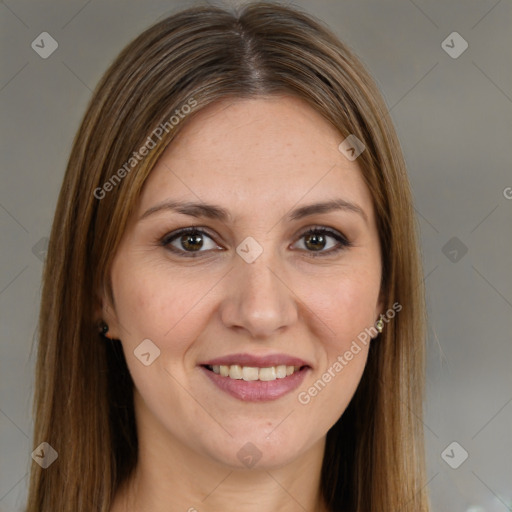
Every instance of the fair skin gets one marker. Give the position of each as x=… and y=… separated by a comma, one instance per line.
x=259, y=159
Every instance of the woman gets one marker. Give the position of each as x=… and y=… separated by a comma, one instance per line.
x=232, y=313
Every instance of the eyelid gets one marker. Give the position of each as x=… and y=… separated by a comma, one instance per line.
x=183, y=231
x=335, y=233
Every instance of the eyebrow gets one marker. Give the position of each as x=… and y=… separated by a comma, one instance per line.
x=215, y=212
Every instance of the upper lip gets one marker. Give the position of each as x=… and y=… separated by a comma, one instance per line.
x=256, y=361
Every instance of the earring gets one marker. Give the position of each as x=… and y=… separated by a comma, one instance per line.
x=380, y=324
x=103, y=327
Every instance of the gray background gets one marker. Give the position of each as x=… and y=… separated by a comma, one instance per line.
x=453, y=117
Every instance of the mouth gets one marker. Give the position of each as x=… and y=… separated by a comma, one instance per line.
x=253, y=373
x=256, y=379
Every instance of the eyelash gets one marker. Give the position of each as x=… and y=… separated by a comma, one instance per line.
x=343, y=242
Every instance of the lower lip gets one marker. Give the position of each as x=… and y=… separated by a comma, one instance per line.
x=257, y=390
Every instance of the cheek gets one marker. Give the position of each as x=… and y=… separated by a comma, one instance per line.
x=150, y=305
x=171, y=309
x=345, y=305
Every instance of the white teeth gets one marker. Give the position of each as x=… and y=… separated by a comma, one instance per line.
x=281, y=371
x=251, y=373
x=268, y=373
x=235, y=372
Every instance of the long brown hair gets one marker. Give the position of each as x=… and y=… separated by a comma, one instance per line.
x=83, y=397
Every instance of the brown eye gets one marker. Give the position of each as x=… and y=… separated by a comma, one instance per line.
x=189, y=242
x=315, y=241
x=318, y=239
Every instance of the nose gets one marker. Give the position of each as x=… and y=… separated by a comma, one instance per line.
x=258, y=299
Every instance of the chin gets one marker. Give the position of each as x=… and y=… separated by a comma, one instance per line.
x=251, y=449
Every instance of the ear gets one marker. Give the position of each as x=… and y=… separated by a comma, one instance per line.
x=379, y=308
x=104, y=311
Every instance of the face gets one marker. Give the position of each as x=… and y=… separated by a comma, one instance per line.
x=263, y=285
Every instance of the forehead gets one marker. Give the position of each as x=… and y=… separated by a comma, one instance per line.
x=254, y=152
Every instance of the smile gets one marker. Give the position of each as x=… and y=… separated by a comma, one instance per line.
x=253, y=373
x=256, y=378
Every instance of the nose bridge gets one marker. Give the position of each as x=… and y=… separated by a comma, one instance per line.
x=257, y=300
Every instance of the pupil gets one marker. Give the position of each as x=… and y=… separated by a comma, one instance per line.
x=315, y=239
x=193, y=242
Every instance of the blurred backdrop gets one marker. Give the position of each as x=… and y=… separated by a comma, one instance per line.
x=445, y=71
